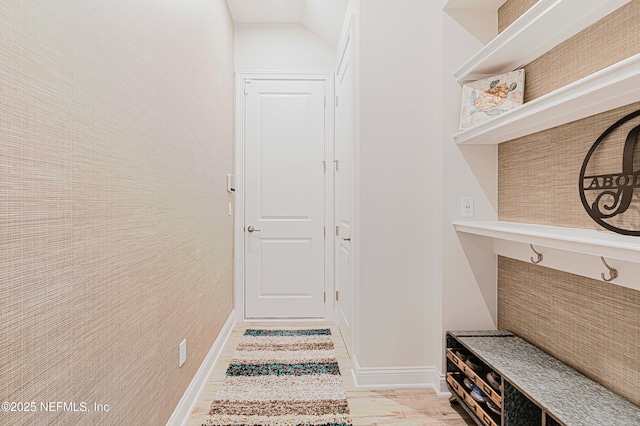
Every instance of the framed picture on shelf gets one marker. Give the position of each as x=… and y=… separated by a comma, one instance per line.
x=487, y=98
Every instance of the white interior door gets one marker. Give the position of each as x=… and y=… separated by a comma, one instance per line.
x=344, y=194
x=285, y=130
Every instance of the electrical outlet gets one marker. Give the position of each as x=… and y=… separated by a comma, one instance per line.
x=183, y=352
x=467, y=206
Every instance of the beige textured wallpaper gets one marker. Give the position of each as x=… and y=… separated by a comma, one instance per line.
x=512, y=10
x=538, y=174
x=604, y=43
x=589, y=324
x=610, y=40
x=116, y=135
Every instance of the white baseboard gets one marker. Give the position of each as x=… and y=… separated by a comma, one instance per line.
x=396, y=377
x=443, y=390
x=190, y=398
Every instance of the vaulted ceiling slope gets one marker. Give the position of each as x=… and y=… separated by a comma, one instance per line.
x=479, y=17
x=322, y=17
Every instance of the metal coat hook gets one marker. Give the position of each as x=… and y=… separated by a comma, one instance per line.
x=538, y=254
x=613, y=273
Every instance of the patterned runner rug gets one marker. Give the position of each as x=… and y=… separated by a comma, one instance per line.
x=282, y=377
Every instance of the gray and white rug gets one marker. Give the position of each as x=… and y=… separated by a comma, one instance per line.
x=279, y=377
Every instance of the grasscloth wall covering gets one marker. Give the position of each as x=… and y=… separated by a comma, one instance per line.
x=116, y=134
x=604, y=43
x=538, y=174
x=589, y=324
x=512, y=10
x=576, y=319
x=612, y=39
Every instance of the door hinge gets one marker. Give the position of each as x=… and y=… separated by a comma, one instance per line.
x=337, y=230
x=337, y=295
x=336, y=100
x=325, y=232
x=337, y=167
x=324, y=166
x=245, y=86
x=325, y=297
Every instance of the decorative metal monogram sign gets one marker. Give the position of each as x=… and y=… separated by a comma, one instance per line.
x=610, y=194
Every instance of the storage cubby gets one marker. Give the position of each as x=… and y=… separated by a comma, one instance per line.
x=519, y=410
x=537, y=389
x=550, y=421
x=476, y=371
x=478, y=410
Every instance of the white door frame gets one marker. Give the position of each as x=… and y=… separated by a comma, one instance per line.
x=239, y=260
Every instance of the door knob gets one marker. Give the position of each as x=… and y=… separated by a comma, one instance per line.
x=346, y=238
x=252, y=229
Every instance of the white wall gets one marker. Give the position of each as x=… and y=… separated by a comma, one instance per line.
x=397, y=206
x=413, y=279
x=325, y=18
x=480, y=18
x=281, y=47
x=469, y=291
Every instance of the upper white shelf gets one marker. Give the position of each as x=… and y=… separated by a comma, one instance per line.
x=585, y=241
x=544, y=26
x=607, y=89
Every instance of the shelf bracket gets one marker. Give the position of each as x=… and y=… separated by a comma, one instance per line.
x=538, y=254
x=613, y=273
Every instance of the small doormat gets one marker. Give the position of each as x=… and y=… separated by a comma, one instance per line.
x=282, y=377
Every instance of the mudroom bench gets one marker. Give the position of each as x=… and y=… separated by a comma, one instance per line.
x=501, y=380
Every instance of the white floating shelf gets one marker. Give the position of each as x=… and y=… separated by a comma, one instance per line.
x=607, y=89
x=584, y=241
x=544, y=26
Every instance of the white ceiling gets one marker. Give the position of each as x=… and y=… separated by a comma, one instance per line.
x=479, y=17
x=322, y=17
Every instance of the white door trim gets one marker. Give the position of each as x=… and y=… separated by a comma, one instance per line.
x=239, y=260
x=347, y=41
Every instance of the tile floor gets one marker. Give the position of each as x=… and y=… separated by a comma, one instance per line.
x=414, y=407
